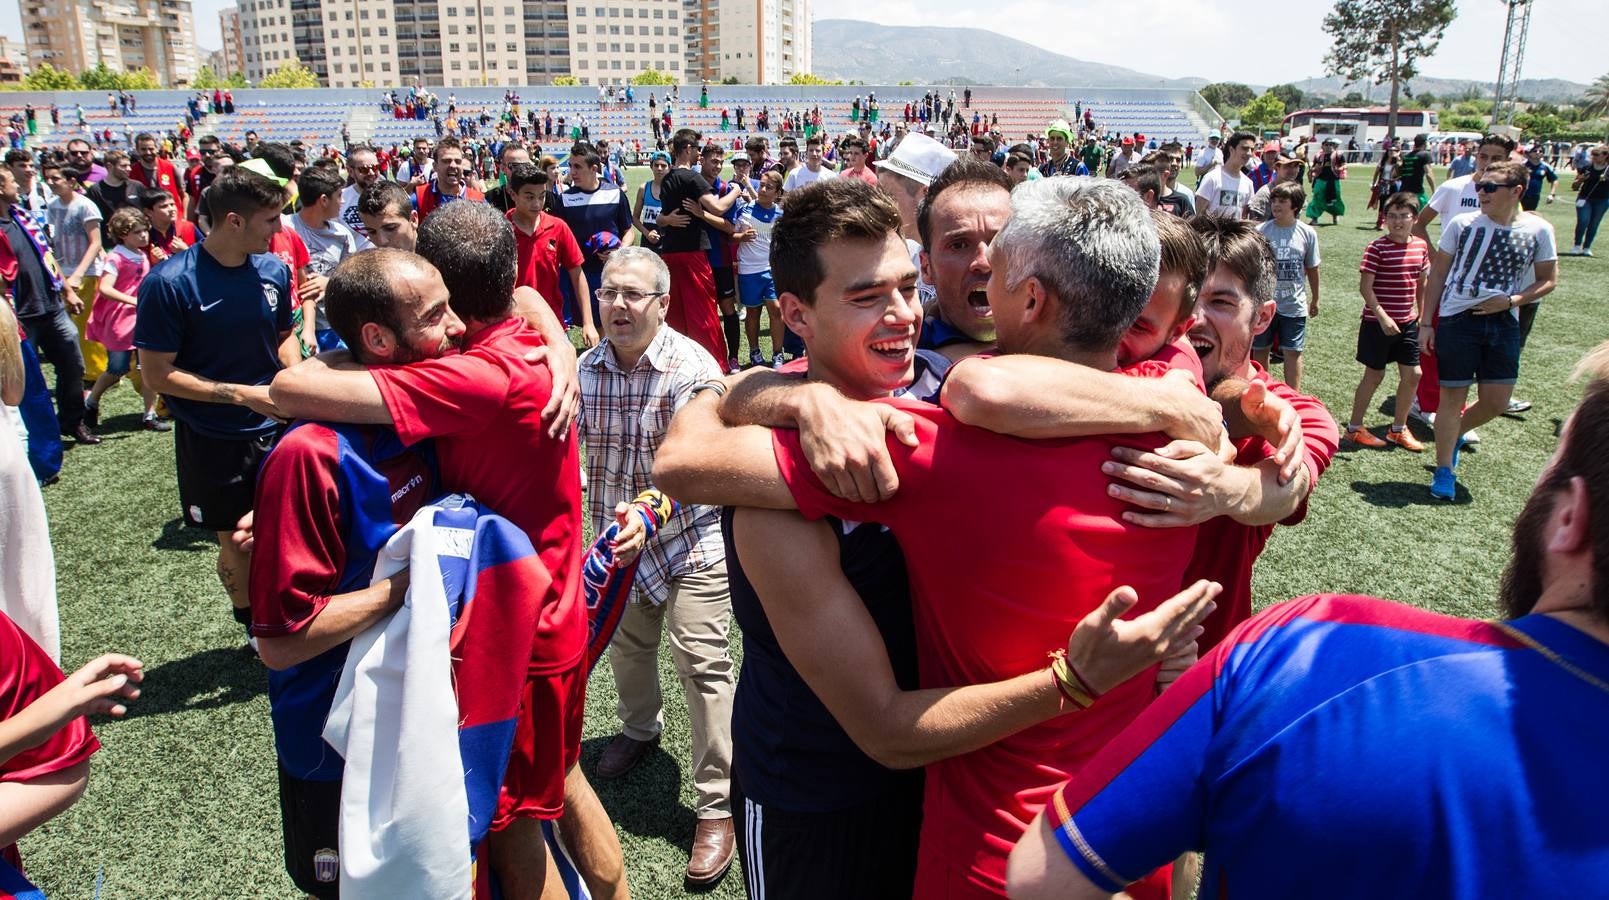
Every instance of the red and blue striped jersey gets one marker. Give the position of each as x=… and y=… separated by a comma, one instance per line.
x=1338, y=746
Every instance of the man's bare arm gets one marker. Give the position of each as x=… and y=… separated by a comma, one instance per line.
x=1039, y=870
x=343, y=618
x=160, y=373
x=703, y=460
x=1039, y=397
x=332, y=387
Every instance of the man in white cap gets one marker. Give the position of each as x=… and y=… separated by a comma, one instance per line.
x=1207, y=158
x=905, y=176
x=1059, y=138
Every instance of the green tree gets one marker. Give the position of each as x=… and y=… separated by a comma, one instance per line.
x=100, y=78
x=565, y=81
x=730, y=79
x=1290, y=95
x=1595, y=102
x=236, y=80
x=291, y=75
x=808, y=79
x=1264, y=112
x=1384, y=40
x=1537, y=124
x=206, y=79
x=141, y=79
x=1225, y=94
x=1463, y=122
x=46, y=77
x=651, y=77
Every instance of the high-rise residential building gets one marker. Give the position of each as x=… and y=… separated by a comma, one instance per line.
x=231, y=58
x=753, y=41
x=619, y=39
x=13, y=60
x=126, y=35
x=460, y=43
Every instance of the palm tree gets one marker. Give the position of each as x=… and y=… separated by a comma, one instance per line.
x=1595, y=102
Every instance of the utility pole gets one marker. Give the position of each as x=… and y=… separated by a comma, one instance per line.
x=1508, y=72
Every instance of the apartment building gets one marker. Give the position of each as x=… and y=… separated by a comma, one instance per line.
x=124, y=34
x=460, y=43
x=230, y=57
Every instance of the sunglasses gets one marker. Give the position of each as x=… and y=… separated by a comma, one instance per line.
x=1492, y=187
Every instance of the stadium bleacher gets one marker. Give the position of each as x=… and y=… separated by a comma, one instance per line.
x=316, y=117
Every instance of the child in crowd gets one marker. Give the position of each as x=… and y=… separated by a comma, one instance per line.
x=170, y=235
x=546, y=248
x=1395, y=268
x=754, y=286
x=112, y=321
x=1296, y=262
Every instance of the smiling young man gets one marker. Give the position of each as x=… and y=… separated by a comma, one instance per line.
x=1085, y=258
x=151, y=170
x=1479, y=278
x=450, y=182
x=1226, y=191
x=210, y=326
x=363, y=167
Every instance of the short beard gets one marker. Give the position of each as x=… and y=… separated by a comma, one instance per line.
x=1522, y=580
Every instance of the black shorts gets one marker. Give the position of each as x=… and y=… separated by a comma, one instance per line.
x=311, y=815
x=725, y=282
x=217, y=476
x=866, y=851
x=1376, y=350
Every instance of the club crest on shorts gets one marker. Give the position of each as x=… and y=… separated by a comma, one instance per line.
x=271, y=294
x=326, y=865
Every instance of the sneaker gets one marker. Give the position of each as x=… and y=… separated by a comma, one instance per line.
x=1585, y=252
x=92, y=415
x=1405, y=440
x=152, y=423
x=1414, y=412
x=1363, y=438
x=1443, y=485
x=756, y=358
x=1470, y=437
x=1575, y=250
x=732, y=368
x=777, y=361
x=1518, y=406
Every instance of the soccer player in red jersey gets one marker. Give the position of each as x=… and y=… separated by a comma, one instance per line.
x=991, y=602
x=486, y=409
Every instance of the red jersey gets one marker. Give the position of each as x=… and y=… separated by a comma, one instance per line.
x=543, y=254
x=288, y=246
x=1226, y=549
x=164, y=178
x=484, y=407
x=1177, y=355
x=426, y=198
x=1397, y=269
x=26, y=674
x=181, y=236
x=992, y=602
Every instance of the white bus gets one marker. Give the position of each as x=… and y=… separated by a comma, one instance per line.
x=1361, y=124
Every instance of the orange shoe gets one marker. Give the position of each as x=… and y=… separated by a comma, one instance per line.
x=1363, y=438
x=1405, y=440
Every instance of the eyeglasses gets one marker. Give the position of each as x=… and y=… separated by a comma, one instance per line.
x=1492, y=187
x=609, y=295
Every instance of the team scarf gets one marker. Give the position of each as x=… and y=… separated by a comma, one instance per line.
x=8, y=257
x=606, y=583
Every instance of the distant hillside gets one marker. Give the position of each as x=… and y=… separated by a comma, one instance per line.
x=1552, y=90
x=888, y=54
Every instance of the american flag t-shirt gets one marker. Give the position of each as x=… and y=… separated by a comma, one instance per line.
x=1490, y=259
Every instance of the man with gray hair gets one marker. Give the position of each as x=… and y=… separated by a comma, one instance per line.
x=632, y=382
x=1071, y=270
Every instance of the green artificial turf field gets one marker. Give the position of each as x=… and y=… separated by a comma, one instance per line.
x=183, y=799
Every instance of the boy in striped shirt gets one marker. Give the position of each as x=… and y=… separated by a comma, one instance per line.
x=1394, y=270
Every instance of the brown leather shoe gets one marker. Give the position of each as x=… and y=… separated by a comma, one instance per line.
x=622, y=755
x=713, y=843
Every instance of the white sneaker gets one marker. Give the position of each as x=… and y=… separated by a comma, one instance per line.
x=1471, y=437
x=1586, y=252
x=1575, y=250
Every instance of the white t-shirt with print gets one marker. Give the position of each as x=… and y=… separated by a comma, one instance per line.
x=1226, y=193
x=1491, y=260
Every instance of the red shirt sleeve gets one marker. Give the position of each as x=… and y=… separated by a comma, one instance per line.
x=911, y=464
x=1371, y=259
x=438, y=397
x=26, y=674
x=298, y=557
x=569, y=251
x=1320, y=438
x=1177, y=355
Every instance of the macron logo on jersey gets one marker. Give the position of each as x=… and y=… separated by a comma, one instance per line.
x=603, y=196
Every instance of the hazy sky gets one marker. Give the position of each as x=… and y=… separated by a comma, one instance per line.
x=1289, y=44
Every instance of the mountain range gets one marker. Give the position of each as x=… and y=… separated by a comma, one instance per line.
x=888, y=54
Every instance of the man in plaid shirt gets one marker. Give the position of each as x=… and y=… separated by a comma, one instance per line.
x=632, y=383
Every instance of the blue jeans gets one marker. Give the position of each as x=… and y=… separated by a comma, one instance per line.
x=1588, y=214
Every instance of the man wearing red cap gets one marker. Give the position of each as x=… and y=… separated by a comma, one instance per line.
x=1265, y=172
x=1120, y=163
